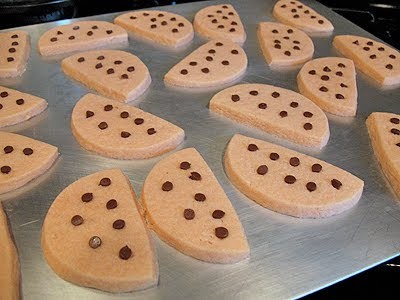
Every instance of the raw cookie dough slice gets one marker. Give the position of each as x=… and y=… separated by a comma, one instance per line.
x=289, y=182
x=22, y=159
x=284, y=45
x=95, y=236
x=215, y=63
x=159, y=26
x=188, y=209
x=15, y=47
x=297, y=14
x=9, y=270
x=117, y=74
x=375, y=59
x=331, y=83
x=275, y=110
x=121, y=131
x=384, y=132
x=79, y=36
x=220, y=22
x=16, y=107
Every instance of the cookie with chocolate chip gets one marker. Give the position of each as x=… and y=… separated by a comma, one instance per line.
x=331, y=83
x=116, y=74
x=214, y=63
x=275, y=110
x=384, y=132
x=220, y=22
x=22, y=159
x=377, y=60
x=188, y=209
x=294, y=184
x=88, y=242
x=284, y=45
x=158, y=26
x=81, y=36
x=119, y=130
x=297, y=14
x=14, y=53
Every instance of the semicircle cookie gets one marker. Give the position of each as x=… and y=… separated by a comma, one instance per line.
x=187, y=208
x=15, y=47
x=16, y=107
x=377, y=60
x=299, y=15
x=79, y=36
x=212, y=64
x=331, y=83
x=116, y=74
x=220, y=22
x=289, y=182
x=275, y=110
x=22, y=159
x=384, y=132
x=158, y=26
x=122, y=131
x=9, y=271
x=284, y=45
x=95, y=236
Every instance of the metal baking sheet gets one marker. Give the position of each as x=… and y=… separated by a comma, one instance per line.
x=290, y=257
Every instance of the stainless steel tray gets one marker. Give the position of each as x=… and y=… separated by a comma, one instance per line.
x=289, y=257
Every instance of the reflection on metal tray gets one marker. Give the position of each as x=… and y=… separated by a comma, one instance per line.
x=289, y=257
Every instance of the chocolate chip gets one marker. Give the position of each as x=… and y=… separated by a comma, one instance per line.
x=312, y=72
x=167, y=186
x=283, y=6
x=11, y=50
x=356, y=43
x=294, y=104
x=125, y=134
x=173, y=19
x=373, y=56
x=75, y=27
x=181, y=25
x=296, y=48
x=274, y=31
x=296, y=16
x=81, y=59
x=233, y=23
x=139, y=121
x=277, y=41
x=95, y=27
x=262, y=105
x=277, y=46
x=200, y=197
x=323, y=89
x=232, y=30
x=253, y=93
x=339, y=96
x=381, y=49
x=316, y=168
x=105, y=181
x=3, y=94
x=325, y=77
x=125, y=253
x=184, y=165
x=306, y=11
x=109, y=31
x=5, y=169
x=289, y=31
x=145, y=14
x=184, y=71
x=71, y=37
x=343, y=85
x=326, y=69
x=321, y=21
x=99, y=65
x=286, y=37
x=308, y=114
x=108, y=107
x=214, y=21
x=340, y=65
x=235, y=98
x=293, y=10
x=89, y=33
x=219, y=11
x=389, y=66
x=225, y=62
x=188, y=214
x=209, y=58
x=193, y=63
x=311, y=186
x=275, y=94
x=124, y=115
x=287, y=53
x=76, y=220
x=153, y=19
x=221, y=232
x=111, y=204
x=395, y=131
x=54, y=39
x=124, y=76
x=283, y=114
x=336, y=184
x=1, y=106
x=392, y=56
x=205, y=70
x=10, y=59
x=394, y=120
x=151, y=131
x=252, y=147
x=296, y=42
x=87, y=197
x=370, y=43
x=366, y=48
x=14, y=36
x=218, y=214
x=195, y=176
x=103, y=125
x=339, y=74
x=313, y=17
x=290, y=179
x=274, y=156
x=153, y=26
x=174, y=30
x=294, y=161
x=110, y=71
x=163, y=23
x=398, y=144
x=160, y=15
x=131, y=69
x=94, y=242
x=262, y=170
x=20, y=101
x=27, y=151
x=8, y=149
x=219, y=44
x=307, y=126
x=119, y=224
x=235, y=52
x=89, y=114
